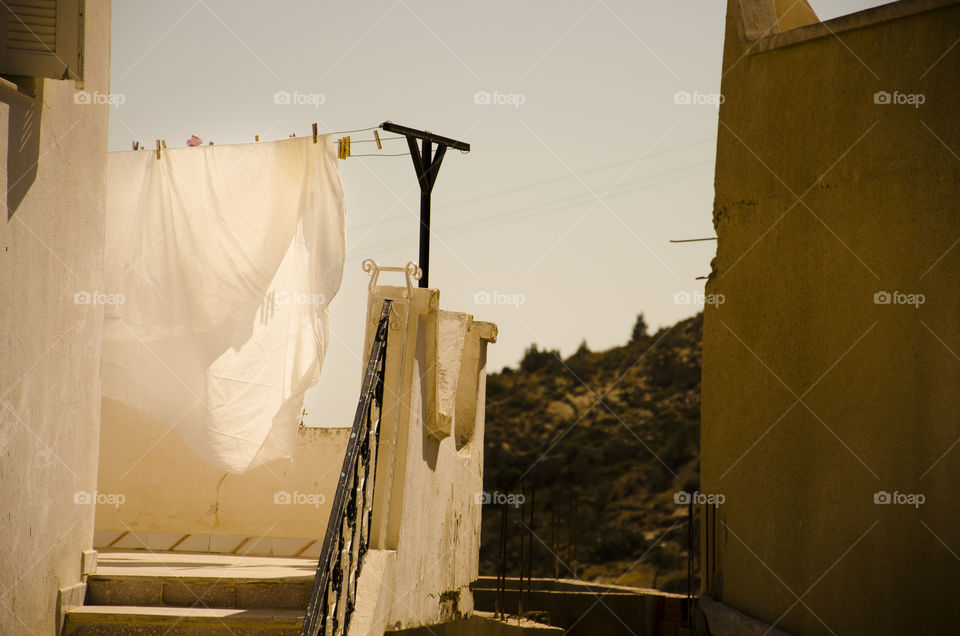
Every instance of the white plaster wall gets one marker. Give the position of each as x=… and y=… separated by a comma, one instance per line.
x=438, y=551
x=51, y=249
x=434, y=512
x=168, y=491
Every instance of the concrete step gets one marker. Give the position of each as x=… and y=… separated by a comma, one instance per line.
x=179, y=621
x=163, y=579
x=140, y=593
x=173, y=591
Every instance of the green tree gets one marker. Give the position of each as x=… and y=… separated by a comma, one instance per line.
x=639, y=329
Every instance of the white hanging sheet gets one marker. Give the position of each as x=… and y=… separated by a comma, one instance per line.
x=222, y=260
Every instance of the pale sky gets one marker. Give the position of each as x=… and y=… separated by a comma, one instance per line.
x=572, y=189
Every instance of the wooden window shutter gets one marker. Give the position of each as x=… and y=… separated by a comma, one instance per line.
x=42, y=38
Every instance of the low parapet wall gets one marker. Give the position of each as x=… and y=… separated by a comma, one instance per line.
x=154, y=493
x=582, y=608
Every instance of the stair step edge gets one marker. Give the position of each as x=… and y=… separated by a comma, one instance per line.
x=184, y=613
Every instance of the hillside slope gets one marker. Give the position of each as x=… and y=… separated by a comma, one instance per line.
x=607, y=438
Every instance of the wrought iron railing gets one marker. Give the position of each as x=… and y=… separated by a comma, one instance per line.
x=347, y=539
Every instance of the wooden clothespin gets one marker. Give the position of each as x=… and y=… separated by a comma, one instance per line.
x=136, y=145
x=210, y=143
x=158, y=149
x=376, y=136
x=314, y=133
x=164, y=142
x=343, y=147
x=256, y=137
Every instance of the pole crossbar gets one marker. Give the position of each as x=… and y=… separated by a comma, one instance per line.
x=426, y=163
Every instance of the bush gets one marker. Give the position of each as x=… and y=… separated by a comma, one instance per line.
x=496, y=386
x=579, y=365
x=544, y=361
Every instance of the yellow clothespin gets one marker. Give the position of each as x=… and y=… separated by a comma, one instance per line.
x=158, y=149
x=164, y=142
x=376, y=136
x=343, y=147
x=314, y=133
x=256, y=137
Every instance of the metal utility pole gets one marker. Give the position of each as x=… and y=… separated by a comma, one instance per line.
x=427, y=164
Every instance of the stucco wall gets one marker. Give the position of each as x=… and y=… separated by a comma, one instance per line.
x=815, y=398
x=430, y=465
x=438, y=551
x=168, y=492
x=50, y=250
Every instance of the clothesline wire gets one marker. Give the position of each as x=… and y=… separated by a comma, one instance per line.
x=336, y=132
x=343, y=132
x=370, y=141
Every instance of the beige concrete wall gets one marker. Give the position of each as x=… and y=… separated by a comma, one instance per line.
x=815, y=397
x=430, y=469
x=51, y=249
x=168, y=492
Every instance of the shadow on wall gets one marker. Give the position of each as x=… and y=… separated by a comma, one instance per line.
x=23, y=142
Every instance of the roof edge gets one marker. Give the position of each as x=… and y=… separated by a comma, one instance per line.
x=851, y=22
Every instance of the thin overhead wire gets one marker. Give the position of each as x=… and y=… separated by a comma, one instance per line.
x=580, y=173
x=586, y=197
x=539, y=209
x=488, y=222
